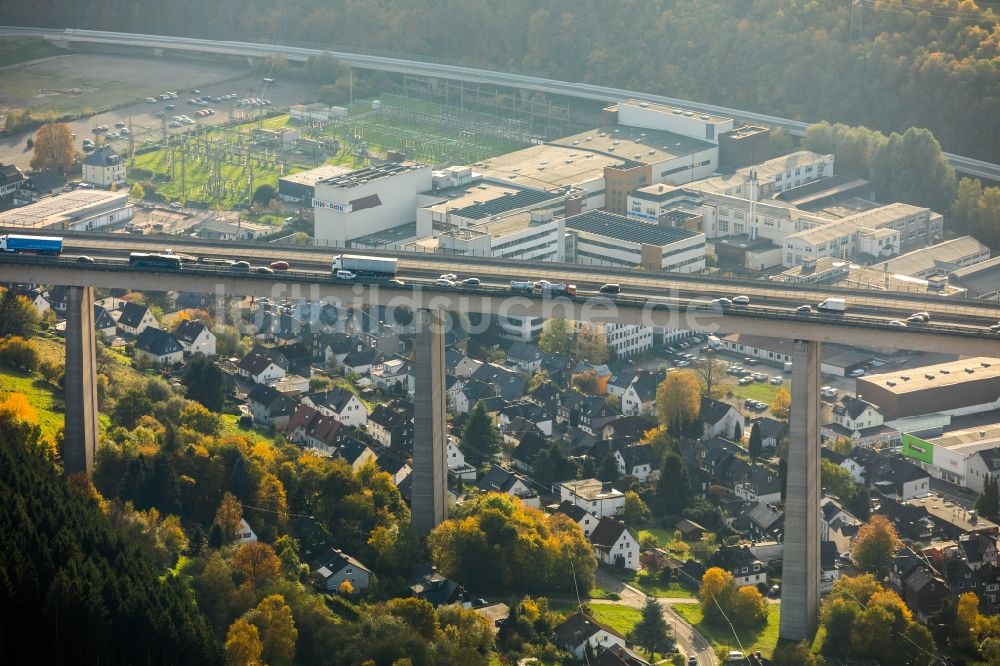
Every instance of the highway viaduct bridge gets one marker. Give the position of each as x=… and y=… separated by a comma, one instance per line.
x=650, y=299
x=157, y=44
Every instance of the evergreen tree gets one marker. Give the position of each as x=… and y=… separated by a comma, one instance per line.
x=756, y=441
x=988, y=504
x=206, y=383
x=674, y=486
x=609, y=469
x=480, y=438
x=651, y=632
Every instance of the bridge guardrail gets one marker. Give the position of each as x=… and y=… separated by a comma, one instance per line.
x=753, y=312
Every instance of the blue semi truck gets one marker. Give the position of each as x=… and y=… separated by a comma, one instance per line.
x=33, y=244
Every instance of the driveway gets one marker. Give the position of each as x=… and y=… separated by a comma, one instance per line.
x=689, y=641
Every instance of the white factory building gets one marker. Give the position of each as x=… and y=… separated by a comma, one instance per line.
x=605, y=239
x=771, y=177
x=79, y=210
x=649, y=115
x=625, y=340
x=368, y=201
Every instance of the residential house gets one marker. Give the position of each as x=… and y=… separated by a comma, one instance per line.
x=598, y=497
x=617, y=655
x=568, y=410
x=158, y=347
x=757, y=483
x=33, y=294
x=459, y=364
x=829, y=570
x=627, y=428
x=333, y=348
x=500, y=480
x=104, y=167
x=897, y=477
x=978, y=549
x=765, y=522
x=356, y=453
x=837, y=524
x=640, y=395
x=295, y=357
x=467, y=393
x=260, y=368
x=508, y=383
x=857, y=462
x=580, y=630
x=394, y=466
x=690, y=530
x=360, y=361
x=57, y=299
x=741, y=563
x=531, y=444
x=859, y=421
x=614, y=544
x=11, y=179
x=525, y=357
x=528, y=411
x=457, y=466
x=391, y=372
x=435, y=589
x=924, y=592
x=982, y=467
x=334, y=568
x=558, y=367
x=546, y=395
x=579, y=515
x=639, y=461
x=269, y=406
x=340, y=404
x=104, y=323
x=392, y=426
x=136, y=318
x=772, y=431
x=720, y=419
x=245, y=534
x=196, y=338
x=602, y=371
x=594, y=414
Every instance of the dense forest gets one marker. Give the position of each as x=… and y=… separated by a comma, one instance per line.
x=922, y=63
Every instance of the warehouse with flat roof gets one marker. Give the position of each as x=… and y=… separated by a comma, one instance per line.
x=966, y=386
x=79, y=210
x=606, y=239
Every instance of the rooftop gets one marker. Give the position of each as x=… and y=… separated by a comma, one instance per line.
x=387, y=237
x=646, y=146
x=949, y=512
x=666, y=108
x=603, y=223
x=935, y=376
x=981, y=278
x=484, y=200
x=942, y=255
x=368, y=174
x=766, y=171
x=312, y=176
x=547, y=167
x=54, y=212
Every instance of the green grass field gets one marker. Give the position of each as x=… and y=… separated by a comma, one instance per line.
x=763, y=391
x=45, y=399
x=14, y=51
x=764, y=639
x=664, y=536
x=618, y=617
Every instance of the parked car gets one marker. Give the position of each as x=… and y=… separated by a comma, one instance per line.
x=857, y=373
x=692, y=660
x=745, y=380
x=777, y=379
x=774, y=592
x=150, y=100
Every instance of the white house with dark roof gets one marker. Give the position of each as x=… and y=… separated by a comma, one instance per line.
x=500, y=480
x=136, y=318
x=741, y=563
x=260, y=368
x=585, y=519
x=104, y=323
x=36, y=297
x=614, y=544
x=639, y=397
x=459, y=363
x=457, y=466
x=772, y=431
x=598, y=497
x=859, y=421
x=269, y=406
x=982, y=466
x=334, y=567
x=104, y=167
x=525, y=356
x=580, y=630
x=158, y=347
x=196, y=338
x=639, y=461
x=356, y=453
x=339, y=403
x=719, y=419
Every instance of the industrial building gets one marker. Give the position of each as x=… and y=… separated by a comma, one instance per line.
x=771, y=177
x=956, y=388
x=980, y=280
x=606, y=239
x=939, y=259
x=79, y=210
x=300, y=187
x=842, y=273
x=367, y=201
x=949, y=456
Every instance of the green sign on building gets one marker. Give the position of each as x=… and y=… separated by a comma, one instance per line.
x=918, y=449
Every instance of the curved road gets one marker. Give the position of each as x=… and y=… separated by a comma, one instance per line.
x=961, y=163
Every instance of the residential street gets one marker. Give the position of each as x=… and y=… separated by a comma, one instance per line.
x=689, y=641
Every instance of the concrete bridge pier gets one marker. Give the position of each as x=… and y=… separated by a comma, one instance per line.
x=801, y=559
x=80, y=388
x=429, y=500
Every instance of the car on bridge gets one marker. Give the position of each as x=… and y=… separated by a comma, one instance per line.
x=345, y=275
x=444, y=282
x=279, y=265
x=611, y=289
x=741, y=300
x=471, y=282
